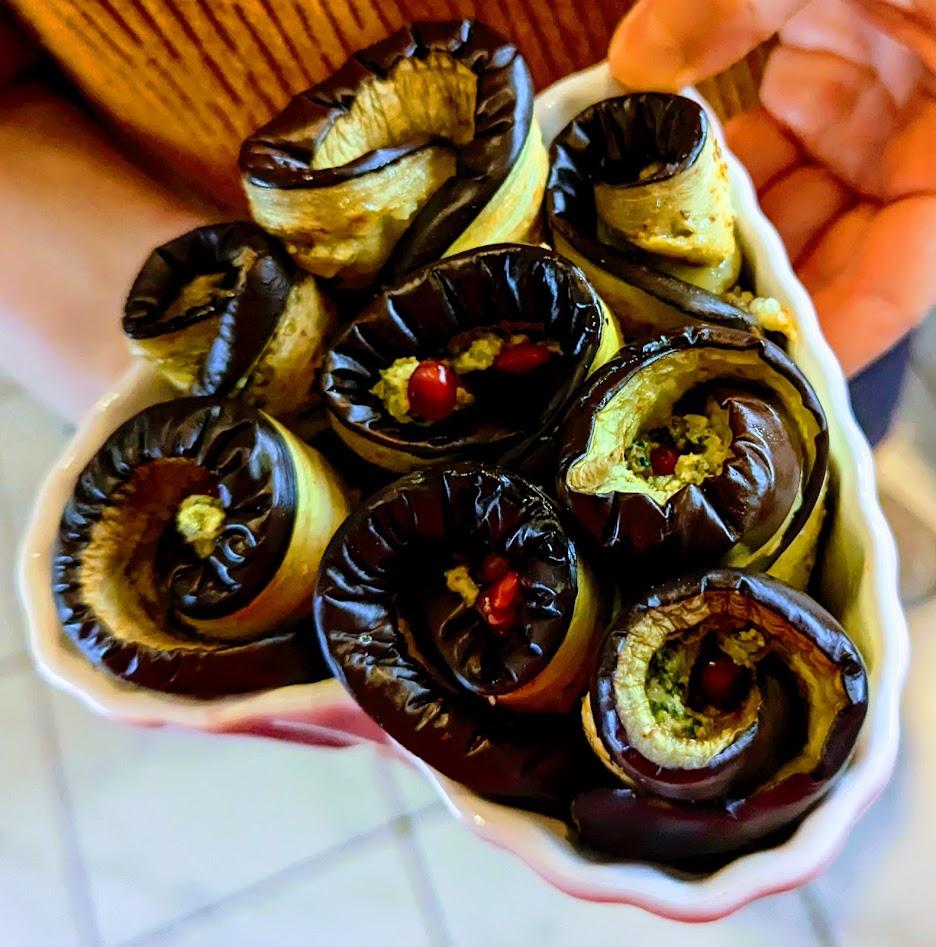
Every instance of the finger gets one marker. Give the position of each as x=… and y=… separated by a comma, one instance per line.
x=911, y=24
x=836, y=26
x=762, y=146
x=667, y=44
x=802, y=204
x=828, y=259
x=837, y=111
x=887, y=286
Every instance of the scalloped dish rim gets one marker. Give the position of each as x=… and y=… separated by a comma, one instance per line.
x=321, y=713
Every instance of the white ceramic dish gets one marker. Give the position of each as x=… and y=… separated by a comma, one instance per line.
x=859, y=586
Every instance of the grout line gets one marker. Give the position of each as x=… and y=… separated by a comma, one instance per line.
x=818, y=917
x=427, y=899
x=256, y=888
x=83, y=915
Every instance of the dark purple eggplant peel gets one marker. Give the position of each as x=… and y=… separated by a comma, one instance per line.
x=223, y=310
x=509, y=288
x=726, y=703
x=422, y=145
x=187, y=551
x=638, y=197
x=488, y=706
x=756, y=503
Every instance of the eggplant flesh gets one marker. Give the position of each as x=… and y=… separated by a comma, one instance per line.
x=184, y=553
x=505, y=289
x=683, y=796
x=426, y=668
x=748, y=511
x=420, y=146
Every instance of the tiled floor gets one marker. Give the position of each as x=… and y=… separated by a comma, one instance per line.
x=113, y=836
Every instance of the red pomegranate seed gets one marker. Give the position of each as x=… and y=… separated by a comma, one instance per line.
x=493, y=568
x=432, y=390
x=663, y=460
x=522, y=358
x=718, y=683
x=502, y=622
x=500, y=603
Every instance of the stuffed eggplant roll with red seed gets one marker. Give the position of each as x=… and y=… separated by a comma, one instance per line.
x=726, y=704
x=188, y=551
x=462, y=620
x=474, y=356
x=703, y=447
x=421, y=146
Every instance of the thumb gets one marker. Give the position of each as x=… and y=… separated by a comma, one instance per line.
x=667, y=44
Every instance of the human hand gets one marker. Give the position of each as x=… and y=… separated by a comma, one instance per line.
x=842, y=150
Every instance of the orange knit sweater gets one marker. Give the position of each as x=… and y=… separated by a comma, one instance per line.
x=185, y=81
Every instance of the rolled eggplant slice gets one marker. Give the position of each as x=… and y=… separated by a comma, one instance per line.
x=461, y=618
x=726, y=703
x=223, y=310
x=421, y=146
x=505, y=333
x=638, y=197
x=188, y=550
x=704, y=447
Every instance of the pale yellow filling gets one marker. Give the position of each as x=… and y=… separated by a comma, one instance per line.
x=704, y=441
x=647, y=399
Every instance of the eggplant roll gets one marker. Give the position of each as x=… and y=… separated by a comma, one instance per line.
x=474, y=356
x=701, y=448
x=187, y=554
x=224, y=310
x=725, y=703
x=418, y=147
x=638, y=197
x=461, y=618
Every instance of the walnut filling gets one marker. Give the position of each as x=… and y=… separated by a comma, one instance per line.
x=200, y=520
x=684, y=449
x=647, y=398
x=472, y=352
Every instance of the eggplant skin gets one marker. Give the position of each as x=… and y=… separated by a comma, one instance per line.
x=249, y=317
x=279, y=154
x=388, y=549
x=637, y=822
x=701, y=523
x=240, y=447
x=476, y=289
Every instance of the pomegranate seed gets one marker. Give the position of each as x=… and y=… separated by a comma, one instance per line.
x=507, y=592
x=493, y=568
x=501, y=622
x=663, y=460
x=500, y=603
x=432, y=390
x=718, y=683
x=522, y=358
